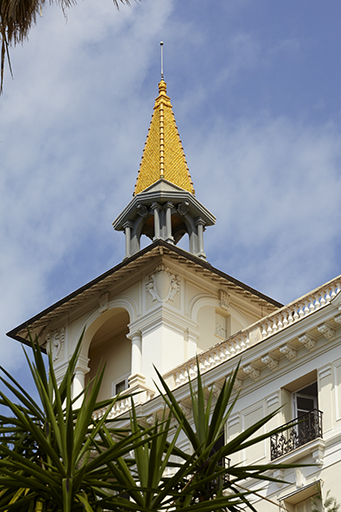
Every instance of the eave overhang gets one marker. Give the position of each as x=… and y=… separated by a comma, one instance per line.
x=95, y=287
x=163, y=191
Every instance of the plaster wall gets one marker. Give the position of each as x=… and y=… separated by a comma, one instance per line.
x=255, y=401
x=163, y=347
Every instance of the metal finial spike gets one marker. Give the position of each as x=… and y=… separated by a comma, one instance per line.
x=161, y=44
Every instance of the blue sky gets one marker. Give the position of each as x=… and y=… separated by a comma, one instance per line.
x=255, y=87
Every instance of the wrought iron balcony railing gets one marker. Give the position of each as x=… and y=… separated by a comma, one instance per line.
x=307, y=427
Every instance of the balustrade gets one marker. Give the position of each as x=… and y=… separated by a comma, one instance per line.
x=267, y=327
x=120, y=407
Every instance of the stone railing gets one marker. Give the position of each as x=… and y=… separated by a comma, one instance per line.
x=257, y=332
x=120, y=407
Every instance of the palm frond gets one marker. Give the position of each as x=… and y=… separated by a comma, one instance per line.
x=16, y=20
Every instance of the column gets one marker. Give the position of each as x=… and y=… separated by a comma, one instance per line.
x=136, y=353
x=156, y=208
x=200, y=227
x=169, y=237
x=79, y=379
x=137, y=381
x=127, y=230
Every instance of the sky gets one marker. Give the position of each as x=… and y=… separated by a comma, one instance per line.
x=255, y=88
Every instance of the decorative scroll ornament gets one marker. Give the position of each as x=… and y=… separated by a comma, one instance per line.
x=270, y=361
x=224, y=299
x=55, y=342
x=183, y=208
x=327, y=331
x=142, y=210
x=162, y=284
x=253, y=372
x=185, y=409
x=214, y=389
x=337, y=319
x=289, y=352
x=103, y=302
x=307, y=341
x=238, y=384
x=150, y=420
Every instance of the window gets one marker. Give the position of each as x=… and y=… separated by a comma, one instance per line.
x=305, y=407
x=305, y=400
x=305, y=506
x=119, y=385
x=303, y=395
x=304, y=500
x=221, y=325
x=224, y=462
x=220, y=443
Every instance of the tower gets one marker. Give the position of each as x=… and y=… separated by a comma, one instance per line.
x=164, y=206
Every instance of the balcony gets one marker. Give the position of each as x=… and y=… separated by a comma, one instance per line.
x=306, y=428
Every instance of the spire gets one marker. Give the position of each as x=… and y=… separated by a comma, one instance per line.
x=163, y=154
x=164, y=206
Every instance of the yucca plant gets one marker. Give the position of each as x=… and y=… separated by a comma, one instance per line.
x=158, y=476
x=209, y=476
x=48, y=459
x=56, y=458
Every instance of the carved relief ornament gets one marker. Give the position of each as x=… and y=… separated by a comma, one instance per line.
x=270, y=361
x=103, y=302
x=224, y=299
x=55, y=342
x=162, y=285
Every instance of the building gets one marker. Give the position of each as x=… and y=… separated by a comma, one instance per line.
x=166, y=306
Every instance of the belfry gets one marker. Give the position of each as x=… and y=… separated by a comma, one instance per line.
x=164, y=206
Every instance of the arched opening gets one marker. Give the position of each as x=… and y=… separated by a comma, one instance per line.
x=110, y=346
x=148, y=227
x=145, y=231
x=179, y=227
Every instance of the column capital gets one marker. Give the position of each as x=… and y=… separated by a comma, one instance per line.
x=128, y=224
x=142, y=210
x=82, y=364
x=156, y=206
x=134, y=334
x=199, y=222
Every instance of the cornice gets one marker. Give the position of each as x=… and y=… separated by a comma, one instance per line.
x=93, y=289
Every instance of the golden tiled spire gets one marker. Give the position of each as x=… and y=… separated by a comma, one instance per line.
x=163, y=154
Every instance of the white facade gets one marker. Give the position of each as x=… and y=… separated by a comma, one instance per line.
x=164, y=307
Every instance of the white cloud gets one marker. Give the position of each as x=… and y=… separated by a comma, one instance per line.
x=67, y=128
x=276, y=202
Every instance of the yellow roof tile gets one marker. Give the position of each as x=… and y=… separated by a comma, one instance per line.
x=163, y=154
